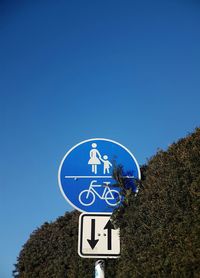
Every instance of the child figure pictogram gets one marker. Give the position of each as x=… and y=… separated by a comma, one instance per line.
x=106, y=164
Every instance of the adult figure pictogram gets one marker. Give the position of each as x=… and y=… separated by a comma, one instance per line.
x=95, y=157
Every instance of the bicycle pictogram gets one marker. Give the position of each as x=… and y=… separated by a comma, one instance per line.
x=88, y=196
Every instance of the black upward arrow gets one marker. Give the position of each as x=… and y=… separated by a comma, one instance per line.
x=92, y=242
x=109, y=226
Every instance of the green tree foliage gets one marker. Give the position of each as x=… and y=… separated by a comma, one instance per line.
x=160, y=227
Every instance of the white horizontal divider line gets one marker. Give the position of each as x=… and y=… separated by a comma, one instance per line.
x=95, y=177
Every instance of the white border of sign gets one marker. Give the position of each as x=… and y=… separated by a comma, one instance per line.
x=85, y=141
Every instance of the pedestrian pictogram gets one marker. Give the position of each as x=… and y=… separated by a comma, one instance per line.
x=96, y=159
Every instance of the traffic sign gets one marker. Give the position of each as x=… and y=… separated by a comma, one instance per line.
x=98, y=237
x=85, y=174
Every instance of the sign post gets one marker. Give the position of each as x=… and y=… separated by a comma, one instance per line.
x=86, y=182
x=100, y=269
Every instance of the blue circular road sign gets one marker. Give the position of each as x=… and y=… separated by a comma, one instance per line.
x=85, y=174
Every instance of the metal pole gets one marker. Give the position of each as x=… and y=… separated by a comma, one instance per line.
x=100, y=269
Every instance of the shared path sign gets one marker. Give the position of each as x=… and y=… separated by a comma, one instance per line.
x=98, y=237
x=85, y=174
x=86, y=182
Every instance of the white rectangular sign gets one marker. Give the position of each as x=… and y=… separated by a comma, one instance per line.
x=98, y=238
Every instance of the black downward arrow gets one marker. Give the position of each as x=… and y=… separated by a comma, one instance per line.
x=92, y=242
x=109, y=226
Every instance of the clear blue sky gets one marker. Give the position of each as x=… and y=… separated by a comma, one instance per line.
x=74, y=70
